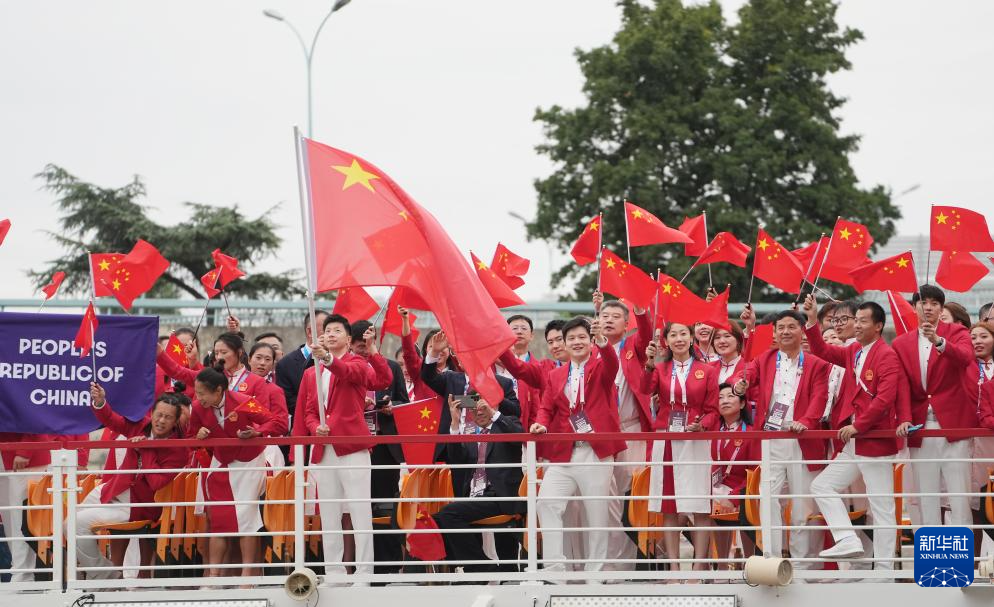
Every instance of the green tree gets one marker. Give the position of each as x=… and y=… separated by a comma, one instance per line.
x=686, y=113
x=106, y=220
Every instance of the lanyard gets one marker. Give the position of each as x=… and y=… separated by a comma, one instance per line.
x=237, y=381
x=778, y=383
x=580, y=398
x=738, y=448
x=683, y=381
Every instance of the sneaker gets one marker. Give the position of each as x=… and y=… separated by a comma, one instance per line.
x=848, y=548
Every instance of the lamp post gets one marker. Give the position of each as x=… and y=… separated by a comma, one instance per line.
x=308, y=52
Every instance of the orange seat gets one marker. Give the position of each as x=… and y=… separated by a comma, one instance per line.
x=40, y=521
x=503, y=519
x=407, y=512
x=639, y=515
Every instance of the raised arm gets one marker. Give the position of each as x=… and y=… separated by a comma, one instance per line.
x=174, y=370
x=531, y=374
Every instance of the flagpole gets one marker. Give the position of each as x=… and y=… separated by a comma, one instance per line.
x=203, y=315
x=628, y=240
x=704, y=214
x=600, y=247
x=383, y=307
x=893, y=304
x=43, y=302
x=692, y=266
x=93, y=334
x=655, y=311
x=807, y=272
x=828, y=250
x=306, y=206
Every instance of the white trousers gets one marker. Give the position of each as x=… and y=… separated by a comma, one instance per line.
x=88, y=550
x=13, y=492
x=567, y=481
x=351, y=484
x=955, y=475
x=796, y=478
x=619, y=546
x=878, y=476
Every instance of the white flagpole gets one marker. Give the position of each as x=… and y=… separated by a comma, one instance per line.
x=310, y=259
x=807, y=272
x=828, y=250
x=628, y=239
x=93, y=333
x=893, y=305
x=706, y=243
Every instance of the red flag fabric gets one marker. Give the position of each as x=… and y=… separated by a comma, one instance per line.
x=502, y=294
x=87, y=332
x=418, y=417
x=588, y=245
x=958, y=229
x=959, y=271
x=776, y=265
x=760, y=341
x=392, y=320
x=895, y=273
x=679, y=304
x=409, y=299
x=399, y=243
x=903, y=316
x=4, y=228
x=136, y=273
x=725, y=247
x=53, y=285
x=806, y=255
x=425, y=546
x=104, y=266
x=509, y=267
x=697, y=229
x=209, y=280
x=622, y=279
x=644, y=228
x=227, y=268
x=355, y=304
x=176, y=351
x=847, y=249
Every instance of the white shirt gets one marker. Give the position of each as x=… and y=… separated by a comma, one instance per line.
x=627, y=404
x=219, y=412
x=834, y=383
x=988, y=368
x=861, y=359
x=785, y=383
x=924, y=351
x=574, y=382
x=726, y=369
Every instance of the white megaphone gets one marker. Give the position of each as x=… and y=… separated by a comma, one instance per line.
x=301, y=584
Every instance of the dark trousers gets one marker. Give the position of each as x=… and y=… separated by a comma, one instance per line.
x=469, y=546
x=383, y=484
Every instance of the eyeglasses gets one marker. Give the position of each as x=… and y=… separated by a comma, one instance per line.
x=841, y=320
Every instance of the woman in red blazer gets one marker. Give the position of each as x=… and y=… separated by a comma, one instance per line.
x=728, y=345
x=728, y=478
x=687, y=395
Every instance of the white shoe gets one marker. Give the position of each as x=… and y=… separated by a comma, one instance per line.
x=849, y=548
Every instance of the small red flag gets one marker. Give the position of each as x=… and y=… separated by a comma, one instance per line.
x=697, y=229
x=895, y=273
x=136, y=273
x=4, y=228
x=227, y=268
x=725, y=247
x=588, y=245
x=644, y=228
x=104, y=265
x=425, y=546
x=806, y=255
x=87, y=332
x=776, y=265
x=959, y=271
x=622, y=279
x=355, y=304
x=502, y=294
x=509, y=267
x=53, y=285
x=209, y=280
x=176, y=351
x=759, y=341
x=392, y=320
x=958, y=229
x=904, y=316
x=679, y=304
x=419, y=417
x=847, y=248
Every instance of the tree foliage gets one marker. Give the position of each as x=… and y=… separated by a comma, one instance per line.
x=685, y=113
x=111, y=220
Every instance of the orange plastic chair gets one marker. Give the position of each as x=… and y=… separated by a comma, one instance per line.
x=40, y=521
x=407, y=512
x=503, y=519
x=639, y=515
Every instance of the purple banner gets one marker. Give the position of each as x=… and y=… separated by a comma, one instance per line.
x=45, y=383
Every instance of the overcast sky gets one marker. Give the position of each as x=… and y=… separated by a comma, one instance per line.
x=199, y=97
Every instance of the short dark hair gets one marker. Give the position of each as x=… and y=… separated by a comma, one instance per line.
x=234, y=341
x=163, y=338
x=849, y=305
x=614, y=303
x=576, y=321
x=212, y=378
x=791, y=314
x=876, y=311
x=927, y=291
x=554, y=325
x=767, y=319
x=187, y=331
x=825, y=309
x=333, y=318
x=262, y=336
x=358, y=328
x=259, y=345
x=744, y=413
x=307, y=317
x=531, y=326
x=959, y=313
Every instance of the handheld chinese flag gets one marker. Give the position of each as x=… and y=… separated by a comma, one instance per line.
x=697, y=229
x=87, y=332
x=812, y=257
x=53, y=285
x=104, y=266
x=895, y=273
x=679, y=304
x=416, y=418
x=355, y=304
x=644, y=228
x=758, y=342
x=958, y=229
x=209, y=280
x=622, y=279
x=846, y=250
x=725, y=247
x=959, y=271
x=177, y=351
x=4, y=228
x=904, y=316
x=136, y=273
x=502, y=294
x=425, y=546
x=776, y=265
x=397, y=243
x=392, y=320
x=509, y=267
x=227, y=268
x=588, y=245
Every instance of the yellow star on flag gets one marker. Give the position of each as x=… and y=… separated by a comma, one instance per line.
x=763, y=244
x=404, y=215
x=177, y=350
x=637, y=214
x=844, y=234
x=116, y=285
x=355, y=174
x=609, y=262
x=594, y=225
x=104, y=265
x=667, y=288
x=425, y=413
x=941, y=217
x=902, y=263
x=480, y=265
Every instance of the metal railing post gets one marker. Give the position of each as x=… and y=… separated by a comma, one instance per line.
x=57, y=518
x=766, y=501
x=531, y=517
x=70, y=461
x=299, y=487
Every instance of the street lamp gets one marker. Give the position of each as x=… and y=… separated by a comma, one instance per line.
x=308, y=52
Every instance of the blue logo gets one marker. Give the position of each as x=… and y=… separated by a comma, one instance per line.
x=944, y=557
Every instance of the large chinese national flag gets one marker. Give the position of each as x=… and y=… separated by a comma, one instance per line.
x=958, y=229
x=368, y=231
x=776, y=265
x=959, y=271
x=847, y=250
x=622, y=279
x=895, y=273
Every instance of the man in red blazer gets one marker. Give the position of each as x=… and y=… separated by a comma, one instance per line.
x=529, y=397
x=583, y=395
x=790, y=388
x=349, y=377
x=935, y=359
x=868, y=400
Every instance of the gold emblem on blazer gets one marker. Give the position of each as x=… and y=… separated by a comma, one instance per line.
x=233, y=417
x=629, y=355
x=699, y=374
x=869, y=375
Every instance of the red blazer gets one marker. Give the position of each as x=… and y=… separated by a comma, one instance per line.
x=879, y=409
x=143, y=484
x=529, y=395
x=633, y=364
x=240, y=411
x=731, y=449
x=36, y=458
x=601, y=406
x=953, y=406
x=413, y=361
x=702, y=394
x=809, y=401
x=163, y=381
x=351, y=377
x=974, y=383
x=535, y=374
x=736, y=370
